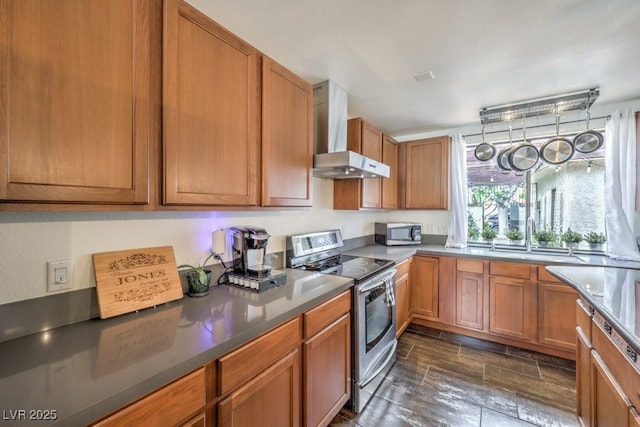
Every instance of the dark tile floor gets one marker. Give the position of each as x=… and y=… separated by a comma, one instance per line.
x=444, y=379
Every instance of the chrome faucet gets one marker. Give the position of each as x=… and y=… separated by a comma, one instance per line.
x=531, y=228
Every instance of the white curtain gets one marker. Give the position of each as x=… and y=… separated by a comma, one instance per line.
x=458, y=228
x=620, y=185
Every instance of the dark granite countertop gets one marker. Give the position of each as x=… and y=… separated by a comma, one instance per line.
x=613, y=292
x=87, y=370
x=400, y=253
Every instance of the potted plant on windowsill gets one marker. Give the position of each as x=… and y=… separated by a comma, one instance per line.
x=488, y=234
x=515, y=236
x=544, y=237
x=595, y=240
x=198, y=278
x=571, y=238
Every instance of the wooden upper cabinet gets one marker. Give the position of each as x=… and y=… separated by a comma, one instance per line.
x=353, y=194
x=390, y=185
x=75, y=108
x=287, y=145
x=211, y=120
x=424, y=174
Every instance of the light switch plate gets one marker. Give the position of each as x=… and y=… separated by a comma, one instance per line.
x=59, y=275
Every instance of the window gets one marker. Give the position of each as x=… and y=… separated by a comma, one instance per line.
x=557, y=197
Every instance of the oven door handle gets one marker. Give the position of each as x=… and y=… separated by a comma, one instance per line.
x=376, y=281
x=372, y=375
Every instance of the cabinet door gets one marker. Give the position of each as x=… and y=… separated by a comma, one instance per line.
x=403, y=303
x=211, y=119
x=469, y=300
x=372, y=148
x=425, y=174
x=327, y=372
x=557, y=315
x=610, y=407
x=287, y=147
x=511, y=307
x=75, y=101
x=634, y=418
x=354, y=194
x=424, y=286
x=390, y=185
x=583, y=378
x=271, y=398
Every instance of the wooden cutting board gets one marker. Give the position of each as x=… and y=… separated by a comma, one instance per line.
x=131, y=280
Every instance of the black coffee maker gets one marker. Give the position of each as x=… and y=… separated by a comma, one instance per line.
x=249, y=246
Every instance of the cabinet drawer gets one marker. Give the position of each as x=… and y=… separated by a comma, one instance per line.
x=583, y=318
x=470, y=266
x=510, y=269
x=403, y=268
x=326, y=313
x=167, y=406
x=545, y=276
x=249, y=360
x=621, y=368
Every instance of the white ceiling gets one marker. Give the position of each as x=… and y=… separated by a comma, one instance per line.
x=482, y=53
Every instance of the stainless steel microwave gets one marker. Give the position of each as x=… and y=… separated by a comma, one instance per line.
x=398, y=233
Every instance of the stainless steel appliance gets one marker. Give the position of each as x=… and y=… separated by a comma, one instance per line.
x=249, y=246
x=398, y=233
x=331, y=158
x=374, y=313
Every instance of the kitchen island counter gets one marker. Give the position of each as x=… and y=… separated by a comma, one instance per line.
x=612, y=292
x=76, y=374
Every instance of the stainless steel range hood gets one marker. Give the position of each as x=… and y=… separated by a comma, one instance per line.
x=332, y=160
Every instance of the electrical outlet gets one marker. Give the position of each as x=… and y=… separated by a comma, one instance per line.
x=59, y=275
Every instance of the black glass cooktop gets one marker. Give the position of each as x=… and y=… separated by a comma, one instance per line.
x=356, y=268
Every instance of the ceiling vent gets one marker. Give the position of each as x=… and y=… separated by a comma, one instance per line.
x=539, y=107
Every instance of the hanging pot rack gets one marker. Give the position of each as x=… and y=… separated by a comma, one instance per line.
x=580, y=100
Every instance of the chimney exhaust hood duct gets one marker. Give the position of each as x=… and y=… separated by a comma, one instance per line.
x=331, y=158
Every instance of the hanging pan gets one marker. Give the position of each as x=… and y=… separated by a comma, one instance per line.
x=589, y=140
x=557, y=150
x=503, y=156
x=484, y=151
x=523, y=156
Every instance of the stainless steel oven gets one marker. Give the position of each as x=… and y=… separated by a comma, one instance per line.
x=375, y=335
x=374, y=313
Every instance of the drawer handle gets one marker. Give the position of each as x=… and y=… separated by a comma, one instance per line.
x=633, y=355
x=591, y=311
x=607, y=327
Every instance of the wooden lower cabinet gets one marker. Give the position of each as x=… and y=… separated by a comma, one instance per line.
x=326, y=351
x=172, y=405
x=610, y=407
x=634, y=418
x=583, y=378
x=270, y=399
x=607, y=381
x=469, y=300
x=557, y=315
x=511, y=307
x=425, y=286
x=403, y=296
x=327, y=372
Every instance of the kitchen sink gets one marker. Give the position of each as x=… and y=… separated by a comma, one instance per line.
x=514, y=254
x=539, y=256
